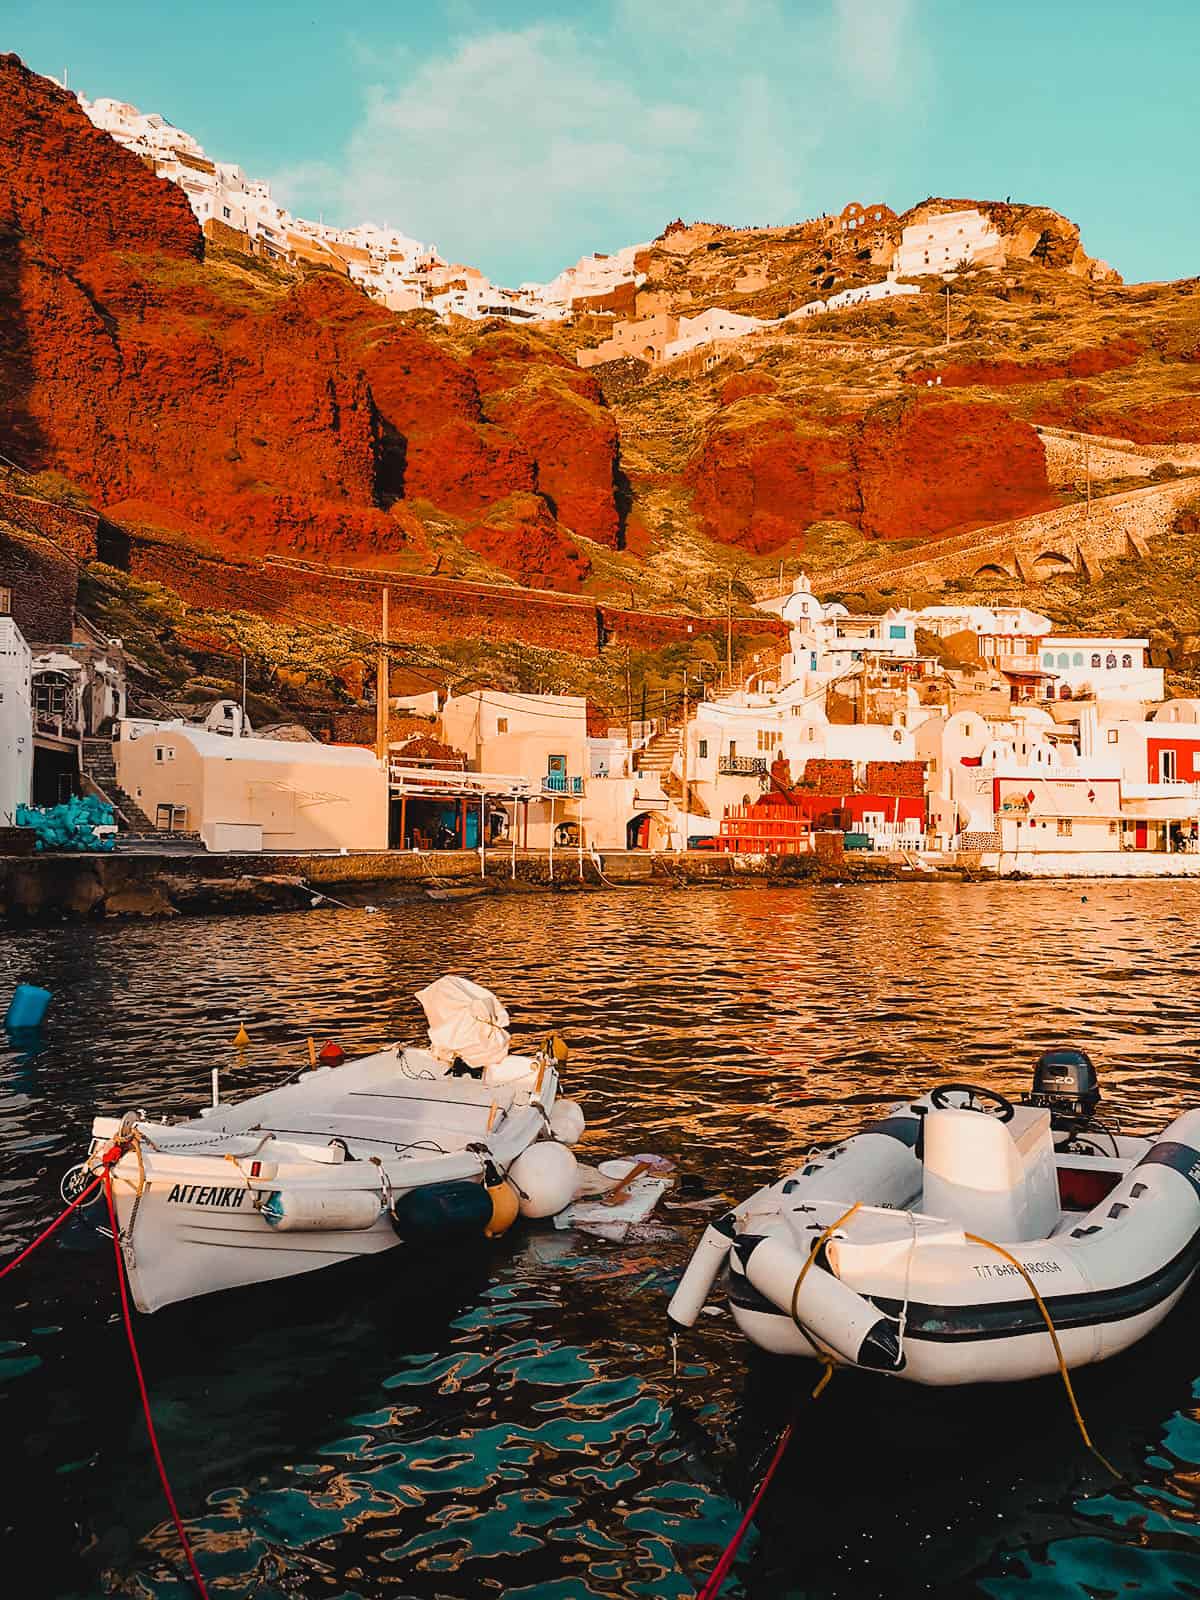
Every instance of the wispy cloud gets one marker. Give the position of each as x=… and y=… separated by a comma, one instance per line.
x=519, y=148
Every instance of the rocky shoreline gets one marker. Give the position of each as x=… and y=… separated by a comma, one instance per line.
x=35, y=890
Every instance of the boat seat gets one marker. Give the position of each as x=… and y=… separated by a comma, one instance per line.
x=993, y=1178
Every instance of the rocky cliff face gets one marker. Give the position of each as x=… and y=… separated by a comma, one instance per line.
x=913, y=468
x=238, y=410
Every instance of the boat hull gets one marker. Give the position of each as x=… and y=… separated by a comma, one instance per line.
x=962, y=1305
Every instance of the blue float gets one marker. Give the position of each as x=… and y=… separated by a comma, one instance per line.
x=28, y=1007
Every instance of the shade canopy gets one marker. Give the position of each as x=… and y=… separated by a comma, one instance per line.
x=465, y=1020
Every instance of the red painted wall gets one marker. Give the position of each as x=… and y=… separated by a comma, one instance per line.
x=1187, y=757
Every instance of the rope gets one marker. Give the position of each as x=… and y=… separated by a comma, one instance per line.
x=1062, y=1364
x=812, y=1256
x=46, y=1232
x=720, y=1572
x=141, y=1382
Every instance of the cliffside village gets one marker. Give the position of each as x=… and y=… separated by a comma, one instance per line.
x=404, y=274
x=949, y=734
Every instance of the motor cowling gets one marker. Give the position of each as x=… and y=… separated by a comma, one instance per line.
x=1066, y=1085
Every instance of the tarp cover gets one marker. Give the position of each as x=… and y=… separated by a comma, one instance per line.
x=465, y=1020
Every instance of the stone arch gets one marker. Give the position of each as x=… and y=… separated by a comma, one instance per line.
x=993, y=571
x=1051, y=564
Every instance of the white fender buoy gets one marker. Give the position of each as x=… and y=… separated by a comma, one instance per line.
x=545, y=1176
x=850, y=1325
x=567, y=1121
x=311, y=1211
x=707, y=1260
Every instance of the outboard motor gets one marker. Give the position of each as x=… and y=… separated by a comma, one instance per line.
x=1065, y=1084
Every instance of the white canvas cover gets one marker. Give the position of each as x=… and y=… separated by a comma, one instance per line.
x=465, y=1020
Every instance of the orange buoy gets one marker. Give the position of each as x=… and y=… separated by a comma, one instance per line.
x=331, y=1054
x=505, y=1208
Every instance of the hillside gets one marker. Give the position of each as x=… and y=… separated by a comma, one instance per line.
x=221, y=412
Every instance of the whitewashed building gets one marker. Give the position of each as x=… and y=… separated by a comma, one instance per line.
x=16, y=719
x=948, y=242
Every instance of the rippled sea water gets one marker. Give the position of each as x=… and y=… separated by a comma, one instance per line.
x=508, y=1424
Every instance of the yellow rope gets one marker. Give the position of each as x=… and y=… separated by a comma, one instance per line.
x=827, y=1361
x=1062, y=1364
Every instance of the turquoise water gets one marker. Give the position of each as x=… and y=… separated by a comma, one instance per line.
x=508, y=1424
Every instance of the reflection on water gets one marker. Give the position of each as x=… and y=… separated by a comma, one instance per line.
x=507, y=1424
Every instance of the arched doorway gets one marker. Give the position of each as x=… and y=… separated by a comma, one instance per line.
x=637, y=832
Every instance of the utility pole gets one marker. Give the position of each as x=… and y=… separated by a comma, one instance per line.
x=863, y=690
x=382, y=687
x=686, y=806
x=729, y=629
x=629, y=709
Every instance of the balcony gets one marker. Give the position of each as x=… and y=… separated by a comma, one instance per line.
x=741, y=766
x=556, y=783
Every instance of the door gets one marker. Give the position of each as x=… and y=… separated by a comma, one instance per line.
x=1139, y=836
x=1168, y=766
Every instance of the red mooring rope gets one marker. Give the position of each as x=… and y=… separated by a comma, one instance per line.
x=141, y=1381
x=716, y=1579
x=105, y=1178
x=46, y=1232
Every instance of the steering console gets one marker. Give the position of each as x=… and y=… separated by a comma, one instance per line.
x=940, y=1100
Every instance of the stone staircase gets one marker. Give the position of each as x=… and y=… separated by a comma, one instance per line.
x=659, y=755
x=134, y=826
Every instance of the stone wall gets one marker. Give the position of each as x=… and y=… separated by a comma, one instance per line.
x=43, y=586
x=424, y=608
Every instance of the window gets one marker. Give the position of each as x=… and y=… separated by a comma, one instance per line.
x=1096, y=661
x=1048, y=659
x=1168, y=766
x=225, y=209
x=1064, y=659
x=767, y=741
x=1065, y=826
x=501, y=725
x=897, y=630
x=5, y=602
x=1112, y=736
x=702, y=749
x=1077, y=659
x=163, y=752
x=1126, y=660
x=732, y=749
x=1110, y=661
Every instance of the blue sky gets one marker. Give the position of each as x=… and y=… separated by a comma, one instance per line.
x=519, y=136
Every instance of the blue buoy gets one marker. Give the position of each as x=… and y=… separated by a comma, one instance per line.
x=28, y=1006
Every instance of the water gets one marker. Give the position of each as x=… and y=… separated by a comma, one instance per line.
x=509, y=1426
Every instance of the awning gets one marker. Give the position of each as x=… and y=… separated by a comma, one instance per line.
x=54, y=661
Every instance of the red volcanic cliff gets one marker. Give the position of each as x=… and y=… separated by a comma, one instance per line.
x=927, y=465
x=68, y=190
x=909, y=469
x=763, y=473
x=1004, y=374
x=235, y=410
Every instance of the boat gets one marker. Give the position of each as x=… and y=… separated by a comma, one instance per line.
x=418, y=1145
x=955, y=1240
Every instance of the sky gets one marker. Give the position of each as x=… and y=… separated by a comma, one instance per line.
x=519, y=136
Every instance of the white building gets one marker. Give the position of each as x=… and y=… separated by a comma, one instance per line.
x=1104, y=669
x=16, y=720
x=946, y=242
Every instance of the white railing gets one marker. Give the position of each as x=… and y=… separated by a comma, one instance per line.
x=446, y=780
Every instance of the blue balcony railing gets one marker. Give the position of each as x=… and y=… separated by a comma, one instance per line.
x=561, y=783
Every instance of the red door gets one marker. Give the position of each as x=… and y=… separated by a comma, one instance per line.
x=1139, y=836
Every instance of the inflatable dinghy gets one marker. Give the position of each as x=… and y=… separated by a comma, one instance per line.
x=436, y=1146
x=915, y=1247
